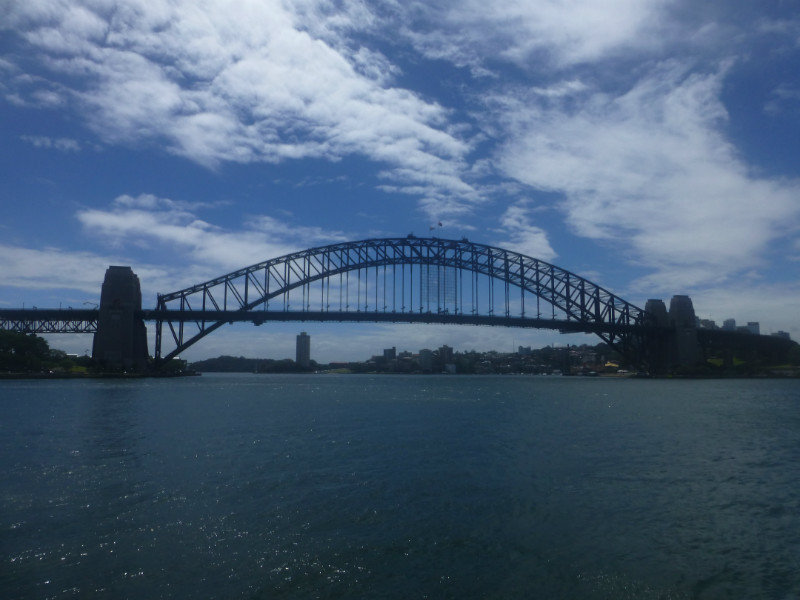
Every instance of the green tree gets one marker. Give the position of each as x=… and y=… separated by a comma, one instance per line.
x=22, y=352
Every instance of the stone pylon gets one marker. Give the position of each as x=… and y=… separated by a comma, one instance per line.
x=672, y=342
x=686, y=350
x=659, y=341
x=121, y=338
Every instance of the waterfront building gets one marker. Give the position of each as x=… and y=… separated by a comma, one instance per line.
x=729, y=325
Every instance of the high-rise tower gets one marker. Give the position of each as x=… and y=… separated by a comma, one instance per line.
x=303, y=350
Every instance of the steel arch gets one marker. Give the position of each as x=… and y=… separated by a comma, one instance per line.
x=585, y=305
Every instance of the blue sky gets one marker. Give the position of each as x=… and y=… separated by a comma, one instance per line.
x=650, y=146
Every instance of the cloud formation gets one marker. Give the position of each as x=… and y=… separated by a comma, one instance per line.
x=61, y=144
x=147, y=220
x=243, y=82
x=523, y=236
x=651, y=169
x=555, y=33
x=56, y=268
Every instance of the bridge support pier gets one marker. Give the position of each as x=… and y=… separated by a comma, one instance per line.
x=686, y=348
x=121, y=338
x=678, y=345
x=658, y=341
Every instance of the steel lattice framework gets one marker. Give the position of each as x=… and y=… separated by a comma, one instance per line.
x=39, y=320
x=407, y=279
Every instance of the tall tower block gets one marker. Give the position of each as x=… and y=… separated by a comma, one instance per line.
x=303, y=350
x=121, y=338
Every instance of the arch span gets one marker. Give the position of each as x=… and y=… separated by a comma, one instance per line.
x=410, y=279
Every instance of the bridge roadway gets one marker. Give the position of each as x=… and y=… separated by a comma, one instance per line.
x=72, y=320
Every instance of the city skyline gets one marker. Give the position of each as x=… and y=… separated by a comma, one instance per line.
x=651, y=147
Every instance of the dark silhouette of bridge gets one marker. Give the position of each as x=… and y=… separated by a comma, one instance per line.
x=410, y=280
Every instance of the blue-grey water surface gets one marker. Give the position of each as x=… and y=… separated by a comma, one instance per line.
x=325, y=486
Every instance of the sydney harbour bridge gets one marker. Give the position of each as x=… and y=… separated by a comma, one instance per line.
x=409, y=280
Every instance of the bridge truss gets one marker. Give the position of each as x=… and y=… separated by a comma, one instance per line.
x=39, y=320
x=407, y=279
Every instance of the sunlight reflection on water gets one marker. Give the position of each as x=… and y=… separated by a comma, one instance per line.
x=395, y=487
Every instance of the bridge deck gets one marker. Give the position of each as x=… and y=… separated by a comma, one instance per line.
x=259, y=317
x=85, y=320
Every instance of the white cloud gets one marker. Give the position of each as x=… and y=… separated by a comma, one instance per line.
x=561, y=89
x=784, y=99
x=552, y=32
x=244, y=82
x=61, y=144
x=652, y=170
x=152, y=202
x=147, y=219
x=788, y=27
x=523, y=236
x=148, y=222
x=56, y=268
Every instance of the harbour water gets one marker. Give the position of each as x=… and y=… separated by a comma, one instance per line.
x=327, y=486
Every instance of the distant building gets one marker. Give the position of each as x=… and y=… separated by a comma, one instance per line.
x=753, y=327
x=426, y=359
x=303, y=350
x=524, y=350
x=729, y=325
x=390, y=353
x=782, y=334
x=446, y=354
x=707, y=324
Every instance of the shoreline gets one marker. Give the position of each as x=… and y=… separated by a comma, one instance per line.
x=57, y=375
x=788, y=374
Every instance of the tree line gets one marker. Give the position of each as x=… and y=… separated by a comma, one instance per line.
x=29, y=353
